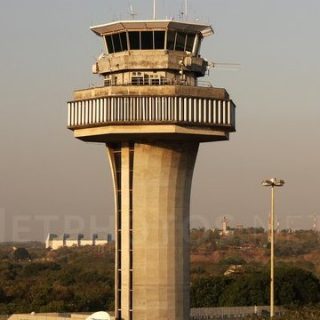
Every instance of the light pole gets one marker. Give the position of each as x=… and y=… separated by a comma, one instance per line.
x=273, y=182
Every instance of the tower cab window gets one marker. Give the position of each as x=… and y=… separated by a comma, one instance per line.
x=190, y=42
x=139, y=40
x=123, y=37
x=116, y=42
x=180, y=41
x=134, y=38
x=146, y=40
x=152, y=40
x=159, y=39
x=109, y=44
x=171, y=40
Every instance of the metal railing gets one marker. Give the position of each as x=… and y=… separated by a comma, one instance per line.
x=151, y=110
x=159, y=81
x=231, y=312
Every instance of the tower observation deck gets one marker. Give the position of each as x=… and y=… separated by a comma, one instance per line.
x=152, y=113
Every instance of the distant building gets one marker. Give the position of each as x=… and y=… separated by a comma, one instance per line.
x=55, y=242
x=226, y=231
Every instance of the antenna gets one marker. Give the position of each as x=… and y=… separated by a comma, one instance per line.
x=154, y=10
x=227, y=66
x=186, y=8
x=131, y=11
x=224, y=64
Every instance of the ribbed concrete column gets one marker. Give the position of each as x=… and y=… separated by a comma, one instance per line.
x=152, y=229
x=161, y=196
x=121, y=156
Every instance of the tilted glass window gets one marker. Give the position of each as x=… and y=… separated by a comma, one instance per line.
x=180, y=42
x=123, y=37
x=159, y=39
x=190, y=42
x=116, y=42
x=146, y=40
x=151, y=40
x=171, y=37
x=197, y=45
x=109, y=44
x=134, y=37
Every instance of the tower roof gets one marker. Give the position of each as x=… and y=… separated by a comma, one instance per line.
x=145, y=25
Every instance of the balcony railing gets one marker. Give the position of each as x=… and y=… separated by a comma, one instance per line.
x=156, y=81
x=151, y=110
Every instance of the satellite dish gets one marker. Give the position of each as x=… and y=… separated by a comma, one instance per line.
x=100, y=315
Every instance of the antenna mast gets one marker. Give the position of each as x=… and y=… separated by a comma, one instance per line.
x=154, y=10
x=186, y=8
x=132, y=12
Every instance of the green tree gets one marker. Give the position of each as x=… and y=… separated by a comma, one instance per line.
x=3, y=296
x=246, y=290
x=232, y=261
x=206, y=291
x=21, y=254
x=295, y=286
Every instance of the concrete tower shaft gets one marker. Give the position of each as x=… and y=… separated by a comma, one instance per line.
x=153, y=184
x=152, y=113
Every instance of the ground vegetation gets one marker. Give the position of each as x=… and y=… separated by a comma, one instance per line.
x=226, y=270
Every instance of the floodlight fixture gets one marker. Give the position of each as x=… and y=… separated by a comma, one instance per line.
x=273, y=182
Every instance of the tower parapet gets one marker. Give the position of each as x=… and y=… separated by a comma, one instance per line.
x=152, y=113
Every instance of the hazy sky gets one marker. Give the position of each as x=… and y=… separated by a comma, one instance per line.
x=51, y=181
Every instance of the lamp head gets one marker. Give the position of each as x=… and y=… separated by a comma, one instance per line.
x=273, y=182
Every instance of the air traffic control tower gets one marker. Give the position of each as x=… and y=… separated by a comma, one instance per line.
x=152, y=113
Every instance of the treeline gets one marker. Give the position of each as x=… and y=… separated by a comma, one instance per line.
x=82, y=279
x=66, y=280
x=293, y=287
